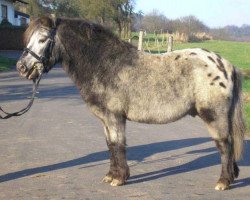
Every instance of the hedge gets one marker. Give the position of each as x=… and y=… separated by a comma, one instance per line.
x=11, y=38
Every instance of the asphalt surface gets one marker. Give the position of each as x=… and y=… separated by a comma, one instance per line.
x=57, y=151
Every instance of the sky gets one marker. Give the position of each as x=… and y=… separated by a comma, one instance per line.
x=214, y=13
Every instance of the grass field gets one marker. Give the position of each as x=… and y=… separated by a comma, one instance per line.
x=6, y=63
x=236, y=52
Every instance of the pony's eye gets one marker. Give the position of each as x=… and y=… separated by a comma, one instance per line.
x=42, y=40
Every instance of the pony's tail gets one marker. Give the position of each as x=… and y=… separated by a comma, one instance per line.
x=236, y=116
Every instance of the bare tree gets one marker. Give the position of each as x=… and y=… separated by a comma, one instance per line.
x=189, y=24
x=137, y=20
x=122, y=16
x=154, y=21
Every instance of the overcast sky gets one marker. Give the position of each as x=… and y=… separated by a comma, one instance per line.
x=214, y=13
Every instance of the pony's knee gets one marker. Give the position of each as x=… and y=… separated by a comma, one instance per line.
x=117, y=137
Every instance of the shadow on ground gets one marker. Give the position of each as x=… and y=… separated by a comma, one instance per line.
x=139, y=153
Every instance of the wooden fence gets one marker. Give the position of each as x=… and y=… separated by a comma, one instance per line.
x=142, y=40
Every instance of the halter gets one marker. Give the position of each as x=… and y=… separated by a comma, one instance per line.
x=44, y=59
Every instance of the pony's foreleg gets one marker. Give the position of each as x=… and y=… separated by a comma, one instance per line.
x=115, y=136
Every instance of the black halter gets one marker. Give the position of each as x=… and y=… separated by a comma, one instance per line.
x=44, y=59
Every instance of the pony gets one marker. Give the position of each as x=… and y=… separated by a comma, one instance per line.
x=119, y=83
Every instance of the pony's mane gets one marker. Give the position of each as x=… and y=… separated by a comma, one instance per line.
x=75, y=24
x=85, y=23
x=92, y=39
x=87, y=29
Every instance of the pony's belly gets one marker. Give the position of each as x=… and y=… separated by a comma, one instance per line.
x=161, y=115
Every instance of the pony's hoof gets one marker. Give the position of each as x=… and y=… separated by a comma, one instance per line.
x=117, y=182
x=107, y=179
x=222, y=185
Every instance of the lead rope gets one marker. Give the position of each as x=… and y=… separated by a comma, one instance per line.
x=26, y=109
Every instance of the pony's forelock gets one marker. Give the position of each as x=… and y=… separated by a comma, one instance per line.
x=35, y=25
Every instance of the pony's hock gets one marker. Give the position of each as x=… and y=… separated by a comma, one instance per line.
x=119, y=83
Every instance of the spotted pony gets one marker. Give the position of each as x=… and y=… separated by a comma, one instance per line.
x=119, y=83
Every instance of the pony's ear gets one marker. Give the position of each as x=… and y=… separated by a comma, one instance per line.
x=46, y=21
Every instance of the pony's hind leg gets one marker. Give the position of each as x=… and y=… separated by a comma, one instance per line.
x=227, y=172
x=218, y=127
x=118, y=173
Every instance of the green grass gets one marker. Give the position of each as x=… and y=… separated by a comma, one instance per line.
x=247, y=116
x=6, y=63
x=236, y=52
x=246, y=85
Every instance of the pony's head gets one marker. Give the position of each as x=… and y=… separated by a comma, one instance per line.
x=39, y=41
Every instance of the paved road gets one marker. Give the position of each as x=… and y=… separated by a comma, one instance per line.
x=57, y=151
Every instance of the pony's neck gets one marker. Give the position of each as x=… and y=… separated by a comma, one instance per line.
x=88, y=50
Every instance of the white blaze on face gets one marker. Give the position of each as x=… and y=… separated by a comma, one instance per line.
x=37, y=44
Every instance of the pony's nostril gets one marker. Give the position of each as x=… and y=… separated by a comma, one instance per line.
x=21, y=68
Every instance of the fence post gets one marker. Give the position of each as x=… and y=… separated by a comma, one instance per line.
x=140, y=41
x=170, y=44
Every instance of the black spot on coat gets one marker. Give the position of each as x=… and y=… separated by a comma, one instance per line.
x=177, y=57
x=221, y=67
x=193, y=54
x=222, y=85
x=216, y=78
x=210, y=58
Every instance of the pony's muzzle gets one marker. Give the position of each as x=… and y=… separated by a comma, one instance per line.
x=29, y=73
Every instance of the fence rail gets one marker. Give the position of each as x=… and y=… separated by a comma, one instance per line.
x=143, y=42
